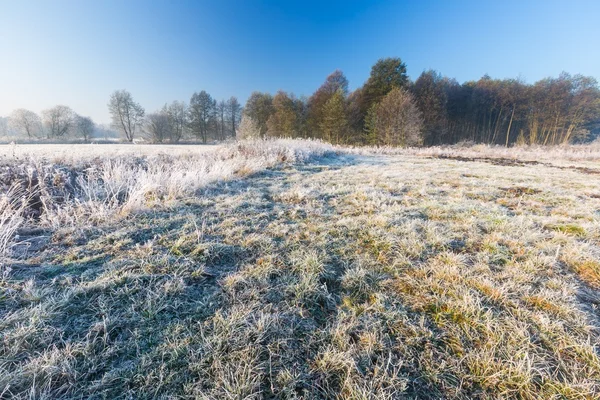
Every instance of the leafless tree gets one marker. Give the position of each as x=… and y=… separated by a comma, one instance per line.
x=127, y=115
x=58, y=121
x=221, y=113
x=3, y=126
x=25, y=122
x=84, y=127
x=201, y=114
x=157, y=127
x=177, y=114
x=234, y=111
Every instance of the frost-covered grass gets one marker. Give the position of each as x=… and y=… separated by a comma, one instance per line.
x=313, y=275
x=70, y=152
x=584, y=155
x=78, y=184
x=11, y=208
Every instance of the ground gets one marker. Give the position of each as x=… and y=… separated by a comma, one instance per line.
x=351, y=275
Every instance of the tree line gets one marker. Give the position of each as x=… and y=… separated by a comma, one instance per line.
x=203, y=119
x=56, y=123
x=390, y=109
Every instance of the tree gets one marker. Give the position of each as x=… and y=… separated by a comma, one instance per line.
x=58, y=121
x=127, y=115
x=395, y=121
x=301, y=110
x=84, y=127
x=334, y=83
x=584, y=112
x=355, y=116
x=157, y=127
x=248, y=129
x=284, y=121
x=3, y=126
x=201, y=114
x=386, y=74
x=177, y=114
x=25, y=122
x=431, y=99
x=221, y=112
x=259, y=107
x=234, y=111
x=334, y=123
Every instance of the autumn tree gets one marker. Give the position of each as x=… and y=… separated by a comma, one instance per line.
x=127, y=115
x=284, y=120
x=395, y=121
x=259, y=108
x=334, y=83
x=334, y=123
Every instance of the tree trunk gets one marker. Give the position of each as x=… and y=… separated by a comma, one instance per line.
x=509, y=125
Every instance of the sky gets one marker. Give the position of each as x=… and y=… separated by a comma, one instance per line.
x=77, y=52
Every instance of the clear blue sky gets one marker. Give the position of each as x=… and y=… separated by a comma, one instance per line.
x=77, y=52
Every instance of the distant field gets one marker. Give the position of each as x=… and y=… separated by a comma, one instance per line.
x=294, y=269
x=98, y=150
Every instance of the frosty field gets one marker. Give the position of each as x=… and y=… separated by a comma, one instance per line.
x=294, y=269
x=74, y=151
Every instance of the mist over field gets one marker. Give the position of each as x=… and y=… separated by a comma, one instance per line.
x=285, y=201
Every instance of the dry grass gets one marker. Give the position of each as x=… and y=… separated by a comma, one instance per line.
x=582, y=156
x=307, y=275
x=12, y=204
x=71, y=152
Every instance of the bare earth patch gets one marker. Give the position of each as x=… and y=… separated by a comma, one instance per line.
x=326, y=276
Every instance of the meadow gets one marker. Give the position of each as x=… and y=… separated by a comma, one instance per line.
x=293, y=269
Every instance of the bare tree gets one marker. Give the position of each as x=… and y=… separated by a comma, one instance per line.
x=201, y=114
x=3, y=126
x=432, y=100
x=84, y=127
x=25, y=122
x=221, y=112
x=58, y=121
x=126, y=114
x=178, y=119
x=234, y=111
x=157, y=127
